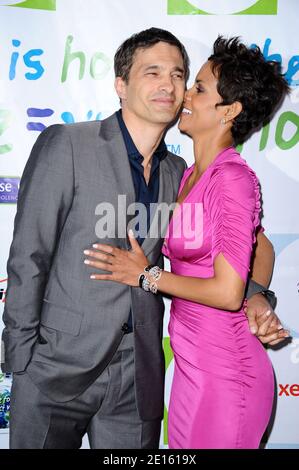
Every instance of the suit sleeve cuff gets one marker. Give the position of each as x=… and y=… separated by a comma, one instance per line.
x=255, y=288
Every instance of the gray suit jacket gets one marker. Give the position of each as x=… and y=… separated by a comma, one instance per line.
x=61, y=326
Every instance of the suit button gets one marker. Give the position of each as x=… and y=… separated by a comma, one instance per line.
x=41, y=340
x=125, y=328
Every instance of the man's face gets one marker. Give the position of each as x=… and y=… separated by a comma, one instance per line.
x=155, y=89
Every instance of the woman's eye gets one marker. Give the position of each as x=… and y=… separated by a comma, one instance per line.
x=199, y=89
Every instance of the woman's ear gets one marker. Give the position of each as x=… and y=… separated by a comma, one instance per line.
x=233, y=110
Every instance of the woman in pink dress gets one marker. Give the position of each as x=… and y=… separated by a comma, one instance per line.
x=222, y=390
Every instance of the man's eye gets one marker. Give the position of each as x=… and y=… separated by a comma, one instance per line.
x=178, y=75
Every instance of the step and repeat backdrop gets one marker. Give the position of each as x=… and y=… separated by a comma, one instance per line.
x=56, y=66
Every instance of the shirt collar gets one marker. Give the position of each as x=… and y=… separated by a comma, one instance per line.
x=133, y=152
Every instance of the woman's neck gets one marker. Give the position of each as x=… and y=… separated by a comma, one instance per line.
x=207, y=149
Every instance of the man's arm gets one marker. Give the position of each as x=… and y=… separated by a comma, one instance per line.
x=262, y=320
x=45, y=197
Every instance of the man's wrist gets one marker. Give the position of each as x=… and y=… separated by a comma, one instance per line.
x=256, y=288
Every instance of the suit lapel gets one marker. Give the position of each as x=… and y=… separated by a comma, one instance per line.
x=117, y=165
x=166, y=195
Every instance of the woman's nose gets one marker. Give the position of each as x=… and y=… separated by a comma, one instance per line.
x=187, y=95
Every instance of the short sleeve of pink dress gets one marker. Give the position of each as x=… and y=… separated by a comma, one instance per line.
x=232, y=200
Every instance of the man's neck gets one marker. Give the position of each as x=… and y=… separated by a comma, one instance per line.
x=145, y=136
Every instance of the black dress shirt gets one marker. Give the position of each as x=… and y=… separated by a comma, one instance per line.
x=145, y=194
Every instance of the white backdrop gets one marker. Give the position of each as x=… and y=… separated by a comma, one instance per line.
x=56, y=65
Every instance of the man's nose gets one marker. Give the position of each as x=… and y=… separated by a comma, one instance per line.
x=167, y=84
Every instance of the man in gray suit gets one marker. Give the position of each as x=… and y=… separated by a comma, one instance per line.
x=86, y=356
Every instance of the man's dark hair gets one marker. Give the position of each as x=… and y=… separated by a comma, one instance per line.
x=123, y=59
x=244, y=75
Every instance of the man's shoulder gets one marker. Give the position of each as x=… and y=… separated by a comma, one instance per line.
x=84, y=127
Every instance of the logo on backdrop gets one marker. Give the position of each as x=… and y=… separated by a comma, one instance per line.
x=3, y=284
x=9, y=188
x=222, y=7
x=32, y=4
x=289, y=390
x=5, y=386
x=294, y=356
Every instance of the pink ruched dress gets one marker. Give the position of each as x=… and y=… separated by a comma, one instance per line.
x=223, y=384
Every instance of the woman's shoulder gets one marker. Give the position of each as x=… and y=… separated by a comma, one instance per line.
x=232, y=170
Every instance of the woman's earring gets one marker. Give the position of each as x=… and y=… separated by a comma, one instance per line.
x=223, y=121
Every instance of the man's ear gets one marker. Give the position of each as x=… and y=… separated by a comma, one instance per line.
x=233, y=110
x=120, y=88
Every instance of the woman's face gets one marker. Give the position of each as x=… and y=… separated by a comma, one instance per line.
x=200, y=114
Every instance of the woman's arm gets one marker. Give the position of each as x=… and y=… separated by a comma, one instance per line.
x=225, y=290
